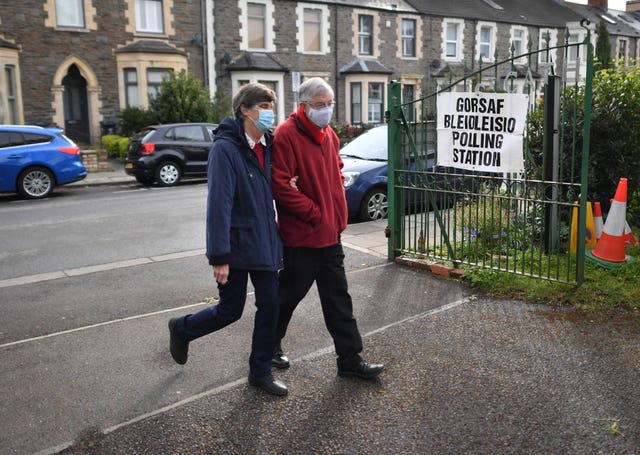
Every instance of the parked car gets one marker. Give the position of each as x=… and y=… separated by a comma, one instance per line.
x=34, y=160
x=365, y=172
x=166, y=154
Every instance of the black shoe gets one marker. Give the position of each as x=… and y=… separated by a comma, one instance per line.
x=269, y=385
x=178, y=347
x=361, y=369
x=280, y=360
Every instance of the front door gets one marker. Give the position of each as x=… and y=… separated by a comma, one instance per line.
x=76, y=113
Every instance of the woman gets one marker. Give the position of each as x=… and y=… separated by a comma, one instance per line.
x=242, y=237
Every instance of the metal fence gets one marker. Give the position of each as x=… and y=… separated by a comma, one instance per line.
x=513, y=222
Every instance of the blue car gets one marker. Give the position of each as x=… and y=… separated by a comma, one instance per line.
x=34, y=160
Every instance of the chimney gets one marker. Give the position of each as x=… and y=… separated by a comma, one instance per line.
x=601, y=3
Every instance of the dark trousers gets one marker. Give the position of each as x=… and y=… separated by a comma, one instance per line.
x=233, y=296
x=325, y=266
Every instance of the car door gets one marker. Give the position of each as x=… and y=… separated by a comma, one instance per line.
x=12, y=155
x=194, y=142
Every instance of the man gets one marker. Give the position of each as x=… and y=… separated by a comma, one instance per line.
x=242, y=237
x=312, y=212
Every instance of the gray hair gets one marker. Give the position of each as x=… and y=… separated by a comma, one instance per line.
x=316, y=86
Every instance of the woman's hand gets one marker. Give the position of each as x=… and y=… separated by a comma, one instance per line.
x=221, y=273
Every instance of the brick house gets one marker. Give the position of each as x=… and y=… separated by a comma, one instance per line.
x=76, y=63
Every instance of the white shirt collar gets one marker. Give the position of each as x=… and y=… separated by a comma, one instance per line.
x=252, y=143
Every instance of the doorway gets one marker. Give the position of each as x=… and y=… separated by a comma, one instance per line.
x=76, y=112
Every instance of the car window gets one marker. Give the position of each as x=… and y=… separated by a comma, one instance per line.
x=371, y=145
x=33, y=138
x=192, y=133
x=10, y=139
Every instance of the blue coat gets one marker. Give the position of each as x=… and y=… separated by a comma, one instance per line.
x=241, y=225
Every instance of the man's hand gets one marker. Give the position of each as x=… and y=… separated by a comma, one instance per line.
x=293, y=183
x=221, y=273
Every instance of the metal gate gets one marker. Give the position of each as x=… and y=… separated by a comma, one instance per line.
x=513, y=222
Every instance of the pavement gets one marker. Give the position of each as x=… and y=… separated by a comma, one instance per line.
x=465, y=374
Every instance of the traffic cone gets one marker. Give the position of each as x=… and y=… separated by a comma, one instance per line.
x=589, y=232
x=629, y=238
x=609, y=252
x=597, y=219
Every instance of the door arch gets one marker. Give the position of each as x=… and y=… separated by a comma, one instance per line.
x=75, y=103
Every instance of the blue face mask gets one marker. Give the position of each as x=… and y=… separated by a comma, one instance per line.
x=265, y=119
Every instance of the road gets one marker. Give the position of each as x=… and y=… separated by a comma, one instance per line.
x=88, y=280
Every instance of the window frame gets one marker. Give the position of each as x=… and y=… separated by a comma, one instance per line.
x=363, y=36
x=523, y=42
x=490, y=58
x=356, y=107
x=139, y=16
x=153, y=87
x=129, y=102
x=380, y=102
x=12, y=93
x=409, y=38
x=458, y=42
x=620, y=42
x=324, y=28
x=269, y=34
x=553, y=39
x=79, y=12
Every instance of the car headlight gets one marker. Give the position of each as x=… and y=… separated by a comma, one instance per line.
x=350, y=178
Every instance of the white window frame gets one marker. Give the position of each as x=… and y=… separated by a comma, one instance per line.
x=361, y=34
x=459, y=54
x=492, y=43
x=77, y=14
x=414, y=37
x=269, y=34
x=553, y=41
x=619, y=42
x=142, y=25
x=324, y=28
x=574, y=38
x=364, y=80
x=237, y=77
x=523, y=42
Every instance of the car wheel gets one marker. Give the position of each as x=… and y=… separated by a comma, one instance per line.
x=35, y=183
x=167, y=174
x=375, y=205
x=146, y=181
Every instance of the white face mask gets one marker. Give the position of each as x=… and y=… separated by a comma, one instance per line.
x=320, y=117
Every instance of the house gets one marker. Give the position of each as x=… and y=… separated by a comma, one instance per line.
x=77, y=63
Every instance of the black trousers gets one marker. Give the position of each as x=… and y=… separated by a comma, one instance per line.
x=325, y=266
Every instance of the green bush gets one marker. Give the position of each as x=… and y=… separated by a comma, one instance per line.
x=123, y=145
x=116, y=146
x=133, y=119
x=181, y=98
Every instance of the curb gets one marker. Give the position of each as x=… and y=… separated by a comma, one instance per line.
x=431, y=266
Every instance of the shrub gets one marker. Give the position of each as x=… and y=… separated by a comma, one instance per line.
x=133, y=119
x=181, y=98
x=110, y=144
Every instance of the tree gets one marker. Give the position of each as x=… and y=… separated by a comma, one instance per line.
x=603, y=46
x=181, y=98
x=221, y=107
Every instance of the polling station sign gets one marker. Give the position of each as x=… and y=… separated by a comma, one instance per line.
x=482, y=131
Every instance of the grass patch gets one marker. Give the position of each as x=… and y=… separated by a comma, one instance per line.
x=603, y=290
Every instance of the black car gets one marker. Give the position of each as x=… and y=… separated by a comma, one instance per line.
x=167, y=153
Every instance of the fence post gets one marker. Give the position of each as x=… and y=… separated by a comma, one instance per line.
x=394, y=95
x=551, y=160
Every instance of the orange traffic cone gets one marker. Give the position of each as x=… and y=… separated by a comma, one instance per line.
x=629, y=238
x=597, y=219
x=610, y=248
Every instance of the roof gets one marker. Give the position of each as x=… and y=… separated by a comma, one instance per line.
x=361, y=65
x=256, y=61
x=150, y=46
x=624, y=24
x=542, y=13
x=389, y=5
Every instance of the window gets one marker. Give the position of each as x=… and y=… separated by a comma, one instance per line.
x=547, y=40
x=10, y=78
x=356, y=103
x=256, y=22
x=131, y=87
x=10, y=139
x=375, y=102
x=408, y=38
x=149, y=17
x=193, y=133
x=622, y=49
x=312, y=29
x=154, y=80
x=408, y=94
x=452, y=39
x=517, y=39
x=486, y=48
x=70, y=13
x=572, y=52
x=365, y=34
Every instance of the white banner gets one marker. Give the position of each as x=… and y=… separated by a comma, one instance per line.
x=482, y=131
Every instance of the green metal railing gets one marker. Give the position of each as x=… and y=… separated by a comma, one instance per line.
x=516, y=222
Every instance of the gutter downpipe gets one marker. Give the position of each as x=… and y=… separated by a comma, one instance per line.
x=210, y=61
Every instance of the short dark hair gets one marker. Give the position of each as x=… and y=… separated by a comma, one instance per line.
x=250, y=95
